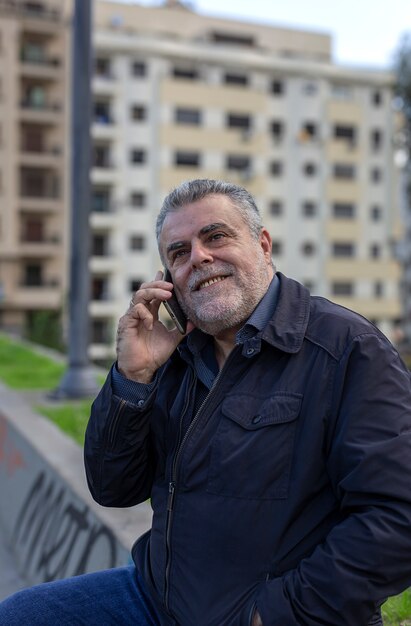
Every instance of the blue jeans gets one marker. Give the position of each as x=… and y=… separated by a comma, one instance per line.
x=114, y=596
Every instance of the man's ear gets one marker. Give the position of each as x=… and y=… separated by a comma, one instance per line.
x=266, y=244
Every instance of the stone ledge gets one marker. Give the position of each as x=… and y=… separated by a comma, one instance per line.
x=48, y=517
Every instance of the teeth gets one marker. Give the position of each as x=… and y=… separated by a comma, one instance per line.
x=207, y=283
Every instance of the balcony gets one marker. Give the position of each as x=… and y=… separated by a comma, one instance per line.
x=40, y=248
x=44, y=205
x=42, y=111
x=42, y=157
x=30, y=10
x=36, y=63
x=41, y=185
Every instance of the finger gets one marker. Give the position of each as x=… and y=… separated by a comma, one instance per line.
x=144, y=315
x=147, y=295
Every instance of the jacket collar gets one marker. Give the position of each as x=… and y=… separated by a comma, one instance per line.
x=287, y=327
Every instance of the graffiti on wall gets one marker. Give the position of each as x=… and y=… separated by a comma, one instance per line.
x=10, y=456
x=59, y=537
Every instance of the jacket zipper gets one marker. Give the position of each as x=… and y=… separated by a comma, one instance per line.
x=171, y=488
x=113, y=426
x=173, y=480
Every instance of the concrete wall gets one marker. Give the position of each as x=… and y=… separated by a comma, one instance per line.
x=47, y=515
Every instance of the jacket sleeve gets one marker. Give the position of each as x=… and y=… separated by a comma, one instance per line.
x=119, y=455
x=367, y=556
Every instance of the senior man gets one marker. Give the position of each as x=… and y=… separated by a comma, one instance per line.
x=273, y=440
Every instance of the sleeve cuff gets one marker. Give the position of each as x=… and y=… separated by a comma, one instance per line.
x=130, y=390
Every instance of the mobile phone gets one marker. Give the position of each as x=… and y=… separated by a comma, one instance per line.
x=174, y=310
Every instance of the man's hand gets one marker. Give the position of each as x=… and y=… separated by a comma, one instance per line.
x=256, y=619
x=143, y=342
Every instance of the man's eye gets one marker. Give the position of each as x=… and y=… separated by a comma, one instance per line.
x=179, y=253
x=217, y=236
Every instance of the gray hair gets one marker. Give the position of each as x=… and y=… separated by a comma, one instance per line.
x=193, y=190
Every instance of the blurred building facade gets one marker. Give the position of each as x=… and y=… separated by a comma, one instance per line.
x=178, y=95
x=33, y=160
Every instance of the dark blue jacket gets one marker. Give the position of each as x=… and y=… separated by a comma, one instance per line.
x=291, y=490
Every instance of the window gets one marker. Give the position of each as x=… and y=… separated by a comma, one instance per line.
x=340, y=91
x=343, y=210
x=310, y=88
x=308, y=248
x=376, y=174
x=309, y=169
x=99, y=245
x=186, y=73
x=378, y=289
x=375, y=213
x=138, y=68
x=309, y=131
x=342, y=288
x=100, y=201
x=187, y=159
x=309, y=209
x=277, y=129
x=277, y=87
x=234, y=120
x=376, y=139
x=135, y=284
x=187, y=116
x=376, y=98
x=344, y=171
x=99, y=288
x=276, y=208
x=276, y=168
x=375, y=251
x=102, y=113
x=233, y=39
x=345, y=132
x=238, y=162
x=343, y=249
x=102, y=67
x=276, y=248
x=33, y=229
x=137, y=242
x=138, y=112
x=101, y=156
x=236, y=79
x=138, y=156
x=100, y=331
x=137, y=199
x=33, y=275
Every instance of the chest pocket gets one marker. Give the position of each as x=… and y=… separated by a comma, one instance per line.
x=251, y=452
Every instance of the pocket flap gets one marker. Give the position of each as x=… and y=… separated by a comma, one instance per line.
x=253, y=411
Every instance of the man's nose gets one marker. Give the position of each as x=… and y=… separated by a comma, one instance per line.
x=200, y=255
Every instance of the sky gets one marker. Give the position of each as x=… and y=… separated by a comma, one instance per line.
x=364, y=32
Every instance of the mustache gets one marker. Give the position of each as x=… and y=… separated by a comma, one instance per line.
x=198, y=276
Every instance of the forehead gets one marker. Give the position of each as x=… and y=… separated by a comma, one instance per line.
x=191, y=218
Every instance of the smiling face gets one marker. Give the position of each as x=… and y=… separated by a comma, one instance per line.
x=220, y=271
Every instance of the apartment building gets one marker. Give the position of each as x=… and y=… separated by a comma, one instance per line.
x=179, y=95
x=33, y=160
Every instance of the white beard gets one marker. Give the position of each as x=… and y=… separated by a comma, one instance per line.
x=228, y=303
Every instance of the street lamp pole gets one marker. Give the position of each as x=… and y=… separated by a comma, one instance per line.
x=79, y=380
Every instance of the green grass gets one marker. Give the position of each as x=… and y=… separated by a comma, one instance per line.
x=21, y=368
x=397, y=610
x=71, y=417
